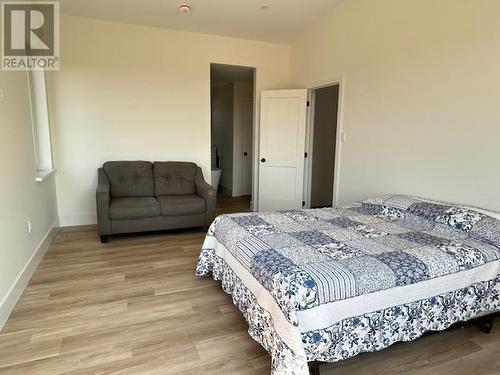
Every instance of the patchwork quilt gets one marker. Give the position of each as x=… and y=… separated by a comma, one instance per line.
x=341, y=281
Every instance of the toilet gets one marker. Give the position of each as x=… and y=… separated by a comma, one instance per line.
x=216, y=173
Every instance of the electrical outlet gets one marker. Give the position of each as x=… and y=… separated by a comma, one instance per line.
x=30, y=226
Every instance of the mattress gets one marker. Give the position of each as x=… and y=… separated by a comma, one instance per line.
x=327, y=284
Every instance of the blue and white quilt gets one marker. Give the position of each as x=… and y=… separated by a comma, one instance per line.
x=327, y=284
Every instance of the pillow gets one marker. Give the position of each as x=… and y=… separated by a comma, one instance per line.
x=463, y=218
x=488, y=229
x=389, y=206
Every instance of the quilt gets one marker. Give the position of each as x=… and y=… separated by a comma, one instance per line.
x=327, y=284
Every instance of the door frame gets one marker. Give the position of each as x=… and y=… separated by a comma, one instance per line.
x=238, y=145
x=339, y=138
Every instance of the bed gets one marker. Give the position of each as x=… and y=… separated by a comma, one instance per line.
x=324, y=285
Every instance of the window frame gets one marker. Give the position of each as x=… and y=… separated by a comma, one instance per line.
x=40, y=124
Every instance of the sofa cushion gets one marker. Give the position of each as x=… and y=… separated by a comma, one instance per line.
x=130, y=178
x=174, y=178
x=177, y=205
x=134, y=208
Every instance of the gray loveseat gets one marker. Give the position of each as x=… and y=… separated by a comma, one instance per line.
x=139, y=196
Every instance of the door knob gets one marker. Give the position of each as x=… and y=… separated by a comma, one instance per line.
x=245, y=153
x=263, y=160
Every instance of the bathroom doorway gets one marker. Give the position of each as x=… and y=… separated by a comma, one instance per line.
x=232, y=92
x=322, y=146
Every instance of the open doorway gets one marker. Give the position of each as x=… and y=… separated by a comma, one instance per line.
x=322, y=146
x=232, y=119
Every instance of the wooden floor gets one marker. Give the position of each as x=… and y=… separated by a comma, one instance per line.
x=227, y=205
x=133, y=306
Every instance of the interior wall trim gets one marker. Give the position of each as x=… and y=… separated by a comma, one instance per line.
x=12, y=297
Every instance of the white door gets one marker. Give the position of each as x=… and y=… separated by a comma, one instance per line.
x=246, y=145
x=282, y=142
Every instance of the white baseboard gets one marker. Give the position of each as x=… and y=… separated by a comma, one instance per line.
x=10, y=300
x=77, y=219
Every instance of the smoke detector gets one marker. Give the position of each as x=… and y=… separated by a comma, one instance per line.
x=184, y=8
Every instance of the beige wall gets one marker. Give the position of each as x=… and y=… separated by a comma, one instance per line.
x=421, y=106
x=420, y=99
x=133, y=92
x=21, y=198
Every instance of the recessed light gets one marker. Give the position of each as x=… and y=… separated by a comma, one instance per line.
x=184, y=8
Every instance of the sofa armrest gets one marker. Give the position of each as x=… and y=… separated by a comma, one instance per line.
x=103, y=198
x=208, y=193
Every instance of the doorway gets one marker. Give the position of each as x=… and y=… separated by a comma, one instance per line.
x=322, y=146
x=232, y=95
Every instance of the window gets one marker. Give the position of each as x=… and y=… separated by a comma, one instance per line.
x=41, y=129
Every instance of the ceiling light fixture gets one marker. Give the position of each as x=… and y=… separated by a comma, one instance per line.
x=184, y=8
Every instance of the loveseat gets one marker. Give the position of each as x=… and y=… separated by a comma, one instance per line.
x=140, y=196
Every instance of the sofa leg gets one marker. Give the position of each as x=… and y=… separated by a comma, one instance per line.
x=314, y=368
x=104, y=239
x=486, y=325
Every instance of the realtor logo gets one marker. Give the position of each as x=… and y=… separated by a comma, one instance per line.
x=30, y=35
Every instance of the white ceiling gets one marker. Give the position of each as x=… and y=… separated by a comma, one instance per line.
x=281, y=22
